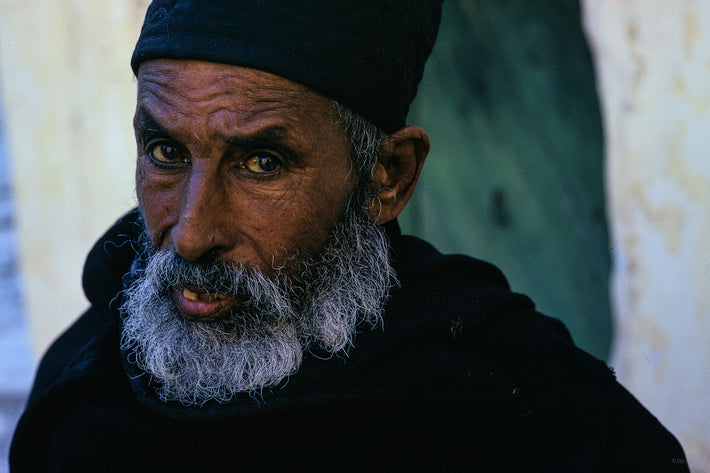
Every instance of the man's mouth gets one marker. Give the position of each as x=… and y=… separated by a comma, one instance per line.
x=203, y=296
x=202, y=306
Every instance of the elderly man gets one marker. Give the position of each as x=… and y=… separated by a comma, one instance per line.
x=261, y=310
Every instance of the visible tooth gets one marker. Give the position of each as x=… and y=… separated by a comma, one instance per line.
x=189, y=295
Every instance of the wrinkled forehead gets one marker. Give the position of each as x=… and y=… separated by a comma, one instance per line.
x=223, y=105
x=202, y=82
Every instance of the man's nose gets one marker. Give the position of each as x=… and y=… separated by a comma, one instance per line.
x=203, y=229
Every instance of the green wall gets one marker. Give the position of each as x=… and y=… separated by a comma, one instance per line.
x=515, y=175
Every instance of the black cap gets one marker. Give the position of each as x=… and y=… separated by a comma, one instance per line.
x=368, y=55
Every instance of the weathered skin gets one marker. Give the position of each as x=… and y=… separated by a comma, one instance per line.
x=240, y=164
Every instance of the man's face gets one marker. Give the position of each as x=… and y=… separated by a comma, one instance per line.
x=236, y=164
x=260, y=245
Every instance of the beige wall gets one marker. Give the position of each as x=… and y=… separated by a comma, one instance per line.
x=653, y=62
x=68, y=93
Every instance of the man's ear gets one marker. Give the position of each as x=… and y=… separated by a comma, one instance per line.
x=395, y=175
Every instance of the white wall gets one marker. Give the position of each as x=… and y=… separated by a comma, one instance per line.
x=69, y=96
x=653, y=63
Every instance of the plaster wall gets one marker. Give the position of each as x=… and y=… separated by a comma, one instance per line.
x=69, y=96
x=653, y=65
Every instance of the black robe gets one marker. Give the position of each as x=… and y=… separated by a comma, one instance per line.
x=463, y=375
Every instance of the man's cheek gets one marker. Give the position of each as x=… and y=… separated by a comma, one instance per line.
x=159, y=212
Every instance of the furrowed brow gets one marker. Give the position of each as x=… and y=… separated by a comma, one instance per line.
x=275, y=136
x=144, y=123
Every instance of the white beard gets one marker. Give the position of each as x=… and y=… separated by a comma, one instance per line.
x=195, y=362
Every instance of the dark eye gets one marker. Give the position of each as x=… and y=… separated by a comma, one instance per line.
x=165, y=153
x=263, y=163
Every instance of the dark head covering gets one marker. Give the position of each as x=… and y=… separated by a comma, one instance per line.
x=368, y=55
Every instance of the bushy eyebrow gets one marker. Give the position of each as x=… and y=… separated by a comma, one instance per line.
x=144, y=122
x=273, y=136
x=262, y=138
